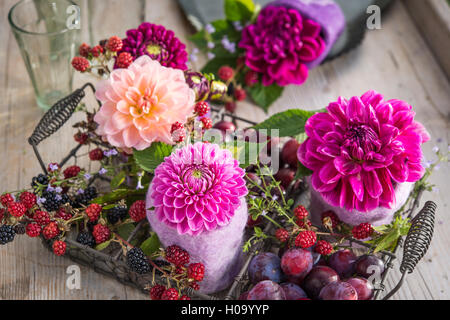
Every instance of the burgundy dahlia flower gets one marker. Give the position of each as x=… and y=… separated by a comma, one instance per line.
x=158, y=43
x=360, y=149
x=280, y=43
x=198, y=188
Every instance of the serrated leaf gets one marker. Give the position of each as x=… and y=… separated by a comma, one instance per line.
x=264, y=96
x=290, y=122
x=153, y=156
x=239, y=10
x=151, y=245
x=387, y=240
x=103, y=245
x=118, y=179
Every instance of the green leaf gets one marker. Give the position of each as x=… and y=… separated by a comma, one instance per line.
x=239, y=10
x=302, y=171
x=214, y=65
x=199, y=39
x=387, y=241
x=151, y=245
x=290, y=122
x=103, y=245
x=153, y=156
x=117, y=195
x=125, y=230
x=118, y=179
x=301, y=137
x=264, y=96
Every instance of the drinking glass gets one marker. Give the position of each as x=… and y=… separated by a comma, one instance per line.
x=47, y=32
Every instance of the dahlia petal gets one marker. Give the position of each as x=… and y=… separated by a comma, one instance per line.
x=346, y=166
x=372, y=183
x=329, y=174
x=357, y=186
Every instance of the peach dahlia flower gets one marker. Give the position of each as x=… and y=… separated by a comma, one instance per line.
x=140, y=104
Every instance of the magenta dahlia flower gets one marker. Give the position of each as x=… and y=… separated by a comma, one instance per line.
x=361, y=149
x=158, y=43
x=198, y=188
x=280, y=43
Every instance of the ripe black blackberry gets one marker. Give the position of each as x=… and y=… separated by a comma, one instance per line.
x=160, y=263
x=7, y=234
x=84, y=198
x=51, y=201
x=117, y=213
x=138, y=261
x=41, y=179
x=86, y=238
x=19, y=228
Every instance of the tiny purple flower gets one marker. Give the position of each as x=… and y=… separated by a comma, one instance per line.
x=139, y=185
x=58, y=189
x=102, y=171
x=211, y=55
x=50, y=189
x=40, y=200
x=264, y=212
x=53, y=166
x=210, y=45
x=237, y=25
x=80, y=191
x=87, y=176
x=209, y=28
x=435, y=149
x=58, y=197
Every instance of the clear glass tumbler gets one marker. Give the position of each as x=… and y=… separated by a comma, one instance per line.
x=47, y=32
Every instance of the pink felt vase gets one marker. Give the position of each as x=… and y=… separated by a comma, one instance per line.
x=220, y=250
x=378, y=216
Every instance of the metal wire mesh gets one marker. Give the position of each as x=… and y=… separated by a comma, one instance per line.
x=113, y=263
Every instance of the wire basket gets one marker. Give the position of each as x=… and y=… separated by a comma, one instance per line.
x=111, y=261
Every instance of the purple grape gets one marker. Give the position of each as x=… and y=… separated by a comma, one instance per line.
x=338, y=290
x=265, y=266
x=266, y=290
x=318, y=278
x=368, y=265
x=363, y=287
x=293, y=291
x=343, y=262
x=296, y=263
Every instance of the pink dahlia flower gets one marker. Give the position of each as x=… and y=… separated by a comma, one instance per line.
x=198, y=188
x=140, y=104
x=361, y=149
x=280, y=43
x=158, y=43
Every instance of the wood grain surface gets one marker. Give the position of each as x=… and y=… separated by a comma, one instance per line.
x=395, y=61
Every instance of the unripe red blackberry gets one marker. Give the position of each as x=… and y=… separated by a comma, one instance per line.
x=362, y=231
x=93, y=212
x=170, y=294
x=156, y=292
x=300, y=212
x=84, y=50
x=323, y=247
x=226, y=73
x=282, y=235
x=114, y=44
x=6, y=199
x=59, y=247
x=96, y=154
x=201, y=108
x=51, y=231
x=101, y=233
x=207, y=123
x=16, y=209
x=71, y=172
x=124, y=60
x=42, y=218
x=305, y=239
x=33, y=230
x=80, y=64
x=97, y=51
x=28, y=199
x=137, y=211
x=81, y=137
x=251, y=78
x=230, y=106
x=196, y=271
x=177, y=255
x=240, y=94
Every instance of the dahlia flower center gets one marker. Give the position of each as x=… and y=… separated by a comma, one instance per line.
x=361, y=139
x=154, y=49
x=198, y=178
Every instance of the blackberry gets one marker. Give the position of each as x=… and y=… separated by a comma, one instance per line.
x=84, y=198
x=51, y=202
x=160, y=263
x=40, y=179
x=65, y=200
x=7, y=234
x=231, y=88
x=138, y=261
x=86, y=238
x=117, y=213
x=19, y=228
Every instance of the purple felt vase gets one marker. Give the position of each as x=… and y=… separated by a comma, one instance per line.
x=378, y=216
x=325, y=12
x=220, y=250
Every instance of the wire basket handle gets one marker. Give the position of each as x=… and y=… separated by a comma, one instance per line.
x=55, y=118
x=417, y=242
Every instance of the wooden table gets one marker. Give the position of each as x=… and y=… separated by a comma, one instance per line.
x=395, y=61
